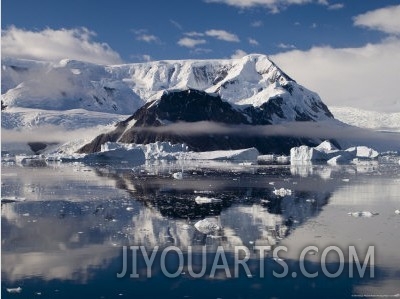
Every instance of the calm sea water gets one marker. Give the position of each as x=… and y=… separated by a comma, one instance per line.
x=64, y=227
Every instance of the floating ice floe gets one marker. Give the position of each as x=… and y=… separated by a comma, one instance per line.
x=247, y=155
x=282, y=192
x=178, y=175
x=362, y=214
x=327, y=152
x=203, y=200
x=206, y=226
x=14, y=290
x=282, y=159
x=397, y=212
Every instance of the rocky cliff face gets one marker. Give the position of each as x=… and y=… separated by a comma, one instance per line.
x=173, y=117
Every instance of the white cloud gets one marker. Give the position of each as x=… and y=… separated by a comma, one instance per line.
x=253, y=42
x=238, y=54
x=222, y=35
x=194, y=34
x=191, y=42
x=336, y=6
x=286, y=46
x=366, y=77
x=148, y=38
x=144, y=36
x=323, y=2
x=54, y=45
x=273, y=5
x=384, y=19
x=257, y=23
x=199, y=51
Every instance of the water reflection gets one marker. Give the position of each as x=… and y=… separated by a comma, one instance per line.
x=68, y=222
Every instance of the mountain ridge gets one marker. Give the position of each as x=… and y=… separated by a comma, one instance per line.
x=122, y=89
x=219, y=125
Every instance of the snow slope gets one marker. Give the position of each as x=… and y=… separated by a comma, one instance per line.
x=368, y=119
x=122, y=89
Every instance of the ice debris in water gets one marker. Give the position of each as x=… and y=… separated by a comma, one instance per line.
x=14, y=290
x=397, y=212
x=362, y=214
x=282, y=192
x=178, y=175
x=206, y=226
x=202, y=200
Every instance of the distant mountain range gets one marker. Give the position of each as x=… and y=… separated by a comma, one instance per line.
x=248, y=91
x=368, y=119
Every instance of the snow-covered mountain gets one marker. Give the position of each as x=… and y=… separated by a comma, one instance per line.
x=368, y=119
x=122, y=89
x=205, y=122
x=254, y=89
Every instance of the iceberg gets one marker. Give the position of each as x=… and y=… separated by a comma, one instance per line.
x=327, y=152
x=306, y=153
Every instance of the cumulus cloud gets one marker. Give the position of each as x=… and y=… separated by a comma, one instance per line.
x=384, y=19
x=238, y=54
x=54, y=45
x=365, y=77
x=222, y=35
x=253, y=42
x=191, y=42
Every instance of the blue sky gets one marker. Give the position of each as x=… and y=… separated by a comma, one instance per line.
x=154, y=28
x=346, y=51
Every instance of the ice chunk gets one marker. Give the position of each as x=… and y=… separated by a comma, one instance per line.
x=14, y=290
x=363, y=152
x=206, y=226
x=282, y=192
x=397, y=212
x=362, y=214
x=178, y=175
x=247, y=155
x=202, y=200
x=306, y=153
x=340, y=159
x=326, y=146
x=326, y=151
